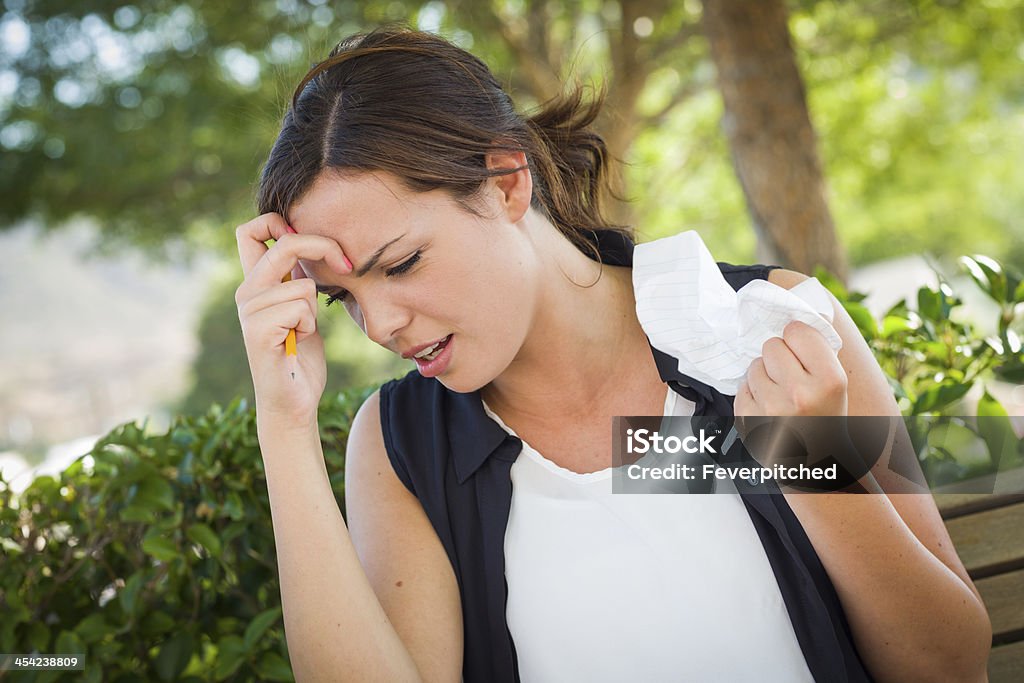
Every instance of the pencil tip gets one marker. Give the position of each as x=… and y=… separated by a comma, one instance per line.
x=293, y=375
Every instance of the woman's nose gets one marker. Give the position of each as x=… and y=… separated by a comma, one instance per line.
x=381, y=321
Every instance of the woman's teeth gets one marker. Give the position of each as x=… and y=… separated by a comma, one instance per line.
x=430, y=353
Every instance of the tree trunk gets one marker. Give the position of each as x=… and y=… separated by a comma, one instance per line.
x=770, y=134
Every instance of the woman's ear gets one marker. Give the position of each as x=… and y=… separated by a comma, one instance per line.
x=512, y=191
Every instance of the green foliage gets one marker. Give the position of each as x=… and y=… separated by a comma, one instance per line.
x=917, y=109
x=154, y=555
x=153, y=117
x=916, y=106
x=933, y=362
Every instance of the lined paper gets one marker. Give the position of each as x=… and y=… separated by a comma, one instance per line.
x=689, y=311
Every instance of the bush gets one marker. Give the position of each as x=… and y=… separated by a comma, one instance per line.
x=932, y=362
x=154, y=555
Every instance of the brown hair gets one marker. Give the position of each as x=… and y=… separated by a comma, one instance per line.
x=411, y=103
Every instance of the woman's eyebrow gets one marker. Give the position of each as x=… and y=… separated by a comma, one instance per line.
x=366, y=267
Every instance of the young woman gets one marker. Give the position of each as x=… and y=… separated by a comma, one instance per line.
x=482, y=541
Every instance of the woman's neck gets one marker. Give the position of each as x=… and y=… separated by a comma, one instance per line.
x=583, y=344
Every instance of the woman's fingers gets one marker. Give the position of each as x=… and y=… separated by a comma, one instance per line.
x=264, y=265
x=292, y=290
x=267, y=328
x=252, y=238
x=290, y=247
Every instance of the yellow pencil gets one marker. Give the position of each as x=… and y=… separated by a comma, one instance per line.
x=291, y=356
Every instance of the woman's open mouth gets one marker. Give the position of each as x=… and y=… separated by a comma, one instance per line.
x=436, y=361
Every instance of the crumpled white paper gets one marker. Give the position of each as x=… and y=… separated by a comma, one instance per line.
x=689, y=311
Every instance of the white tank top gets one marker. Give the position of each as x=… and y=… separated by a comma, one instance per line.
x=639, y=587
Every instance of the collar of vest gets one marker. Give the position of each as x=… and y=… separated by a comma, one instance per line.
x=475, y=437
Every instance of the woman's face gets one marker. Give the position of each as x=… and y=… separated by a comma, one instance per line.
x=443, y=270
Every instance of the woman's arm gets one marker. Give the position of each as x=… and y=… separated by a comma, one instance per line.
x=381, y=604
x=913, y=609
x=335, y=626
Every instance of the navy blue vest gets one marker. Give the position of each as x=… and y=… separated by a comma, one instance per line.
x=457, y=461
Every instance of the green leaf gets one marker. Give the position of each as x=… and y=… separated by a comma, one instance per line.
x=939, y=396
x=69, y=644
x=976, y=273
x=139, y=513
x=11, y=546
x=159, y=546
x=7, y=638
x=987, y=274
x=230, y=655
x=995, y=428
x=860, y=314
x=233, y=531
x=831, y=283
x=38, y=636
x=92, y=628
x=965, y=447
x=258, y=626
x=929, y=303
x=130, y=593
x=174, y=655
x=1013, y=340
x=157, y=624
x=206, y=537
x=233, y=506
x=1010, y=372
x=892, y=324
x=154, y=492
x=272, y=667
x=93, y=673
x=43, y=486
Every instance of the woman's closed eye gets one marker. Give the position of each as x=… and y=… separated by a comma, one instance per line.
x=400, y=269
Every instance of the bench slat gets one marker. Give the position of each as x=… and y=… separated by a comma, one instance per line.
x=1004, y=599
x=1006, y=663
x=952, y=505
x=990, y=542
x=1006, y=487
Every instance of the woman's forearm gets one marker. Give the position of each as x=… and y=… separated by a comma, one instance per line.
x=912, y=617
x=335, y=626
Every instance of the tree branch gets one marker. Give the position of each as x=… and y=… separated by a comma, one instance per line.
x=682, y=94
x=660, y=50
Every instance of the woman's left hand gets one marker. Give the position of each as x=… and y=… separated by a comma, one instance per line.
x=797, y=374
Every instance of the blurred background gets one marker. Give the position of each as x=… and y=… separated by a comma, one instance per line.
x=878, y=139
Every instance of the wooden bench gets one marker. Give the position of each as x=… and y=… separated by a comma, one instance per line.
x=988, y=532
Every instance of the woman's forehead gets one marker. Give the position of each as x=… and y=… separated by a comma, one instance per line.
x=339, y=202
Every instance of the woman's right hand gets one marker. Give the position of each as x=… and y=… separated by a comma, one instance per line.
x=268, y=308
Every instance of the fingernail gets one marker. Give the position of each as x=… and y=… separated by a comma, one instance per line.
x=290, y=228
x=347, y=262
